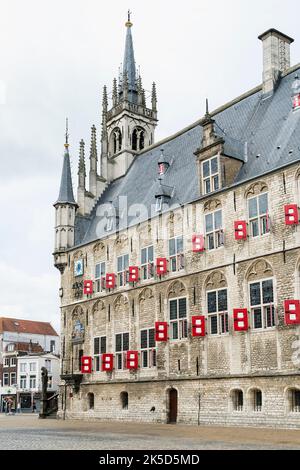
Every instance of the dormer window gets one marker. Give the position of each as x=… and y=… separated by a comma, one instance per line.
x=210, y=175
x=158, y=205
x=109, y=224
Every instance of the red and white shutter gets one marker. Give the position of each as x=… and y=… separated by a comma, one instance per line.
x=240, y=230
x=240, y=319
x=161, y=331
x=198, y=243
x=86, y=365
x=132, y=360
x=107, y=364
x=161, y=266
x=198, y=326
x=296, y=102
x=110, y=281
x=291, y=214
x=133, y=274
x=292, y=312
x=88, y=287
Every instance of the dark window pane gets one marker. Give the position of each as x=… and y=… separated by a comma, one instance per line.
x=222, y=300
x=209, y=225
x=103, y=345
x=97, y=271
x=263, y=204
x=182, y=308
x=205, y=169
x=216, y=183
x=154, y=357
x=257, y=318
x=267, y=289
x=173, y=265
x=173, y=309
x=207, y=186
x=144, y=339
x=265, y=225
x=255, y=228
x=211, y=241
x=97, y=363
x=150, y=253
x=270, y=316
x=214, y=166
x=126, y=261
x=96, y=345
x=175, y=330
x=144, y=256
x=102, y=269
x=218, y=220
x=145, y=358
x=224, y=323
x=253, y=208
x=152, y=338
x=185, y=332
x=214, y=325
x=120, y=264
x=212, y=302
x=255, y=294
x=179, y=244
x=119, y=360
x=172, y=247
x=118, y=343
x=125, y=341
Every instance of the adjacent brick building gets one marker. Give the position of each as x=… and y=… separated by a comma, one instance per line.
x=180, y=281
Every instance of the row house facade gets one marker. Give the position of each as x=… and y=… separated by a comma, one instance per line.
x=180, y=274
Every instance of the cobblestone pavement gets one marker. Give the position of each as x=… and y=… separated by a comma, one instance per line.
x=28, y=432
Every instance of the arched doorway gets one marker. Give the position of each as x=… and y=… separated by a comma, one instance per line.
x=173, y=406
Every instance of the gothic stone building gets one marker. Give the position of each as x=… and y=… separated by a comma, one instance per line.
x=180, y=263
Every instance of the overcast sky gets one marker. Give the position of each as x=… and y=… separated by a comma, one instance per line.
x=55, y=57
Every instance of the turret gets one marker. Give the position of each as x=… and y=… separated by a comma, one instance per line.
x=65, y=210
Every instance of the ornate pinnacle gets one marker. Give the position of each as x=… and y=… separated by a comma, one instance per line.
x=93, y=150
x=81, y=166
x=67, y=134
x=154, y=97
x=115, y=92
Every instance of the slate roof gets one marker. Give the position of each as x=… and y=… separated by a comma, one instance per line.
x=26, y=326
x=263, y=132
x=66, y=189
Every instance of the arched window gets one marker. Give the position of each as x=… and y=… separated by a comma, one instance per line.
x=262, y=295
x=217, y=304
x=294, y=400
x=91, y=401
x=258, y=209
x=237, y=397
x=117, y=141
x=138, y=139
x=256, y=399
x=124, y=400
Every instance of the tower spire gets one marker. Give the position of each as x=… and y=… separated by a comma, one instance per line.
x=66, y=194
x=129, y=67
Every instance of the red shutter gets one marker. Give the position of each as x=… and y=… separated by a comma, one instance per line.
x=161, y=331
x=88, y=287
x=198, y=326
x=133, y=274
x=296, y=102
x=292, y=312
x=198, y=243
x=107, y=362
x=132, y=360
x=86, y=365
x=110, y=281
x=291, y=214
x=161, y=266
x=240, y=230
x=240, y=319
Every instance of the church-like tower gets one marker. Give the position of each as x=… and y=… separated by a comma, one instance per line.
x=65, y=210
x=128, y=126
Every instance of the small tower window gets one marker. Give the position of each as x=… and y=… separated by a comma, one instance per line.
x=158, y=206
x=91, y=401
x=210, y=175
x=124, y=400
x=138, y=139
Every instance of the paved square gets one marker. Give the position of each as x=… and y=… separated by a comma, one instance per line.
x=29, y=432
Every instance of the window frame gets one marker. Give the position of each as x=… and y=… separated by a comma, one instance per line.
x=182, y=323
x=97, y=358
x=13, y=378
x=145, y=267
x=150, y=352
x=218, y=314
x=259, y=218
x=176, y=260
x=122, y=276
x=215, y=233
x=6, y=378
x=263, y=306
x=120, y=355
x=6, y=362
x=100, y=281
x=32, y=382
x=211, y=177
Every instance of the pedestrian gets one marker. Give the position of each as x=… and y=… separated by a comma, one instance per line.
x=19, y=407
x=33, y=407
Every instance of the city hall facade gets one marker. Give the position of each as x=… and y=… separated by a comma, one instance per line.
x=180, y=261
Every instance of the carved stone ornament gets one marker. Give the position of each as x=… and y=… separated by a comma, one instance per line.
x=146, y=294
x=177, y=288
x=259, y=270
x=256, y=188
x=216, y=280
x=212, y=205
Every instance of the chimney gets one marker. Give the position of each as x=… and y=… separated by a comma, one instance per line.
x=276, y=58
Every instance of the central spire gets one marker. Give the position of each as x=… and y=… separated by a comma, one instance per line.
x=129, y=68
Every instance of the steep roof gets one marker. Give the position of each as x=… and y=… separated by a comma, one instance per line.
x=26, y=326
x=66, y=194
x=263, y=132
